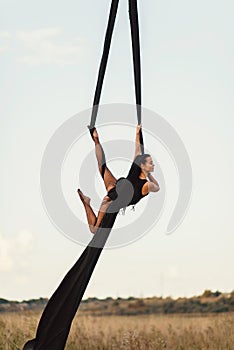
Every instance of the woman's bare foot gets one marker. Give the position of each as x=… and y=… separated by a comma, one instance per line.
x=84, y=198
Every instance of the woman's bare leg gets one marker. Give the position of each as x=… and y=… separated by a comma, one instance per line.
x=91, y=217
x=109, y=179
x=93, y=221
x=104, y=205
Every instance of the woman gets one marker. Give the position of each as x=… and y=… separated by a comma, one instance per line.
x=141, y=168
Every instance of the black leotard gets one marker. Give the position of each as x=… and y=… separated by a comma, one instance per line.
x=137, y=195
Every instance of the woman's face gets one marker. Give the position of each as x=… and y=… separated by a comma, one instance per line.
x=149, y=165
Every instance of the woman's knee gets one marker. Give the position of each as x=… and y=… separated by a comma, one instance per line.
x=106, y=200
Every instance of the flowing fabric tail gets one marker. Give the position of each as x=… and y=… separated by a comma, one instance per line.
x=56, y=320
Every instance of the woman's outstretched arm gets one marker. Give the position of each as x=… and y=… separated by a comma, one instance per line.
x=138, y=146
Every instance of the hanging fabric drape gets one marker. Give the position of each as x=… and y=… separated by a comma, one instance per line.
x=104, y=59
x=56, y=320
x=133, y=16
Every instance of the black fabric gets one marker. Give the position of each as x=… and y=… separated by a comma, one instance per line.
x=103, y=64
x=112, y=193
x=133, y=16
x=56, y=320
x=30, y=345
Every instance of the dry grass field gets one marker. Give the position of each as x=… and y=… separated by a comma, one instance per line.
x=174, y=332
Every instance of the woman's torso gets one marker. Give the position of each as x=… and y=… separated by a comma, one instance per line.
x=138, y=192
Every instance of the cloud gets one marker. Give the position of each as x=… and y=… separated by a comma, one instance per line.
x=14, y=250
x=48, y=46
x=5, y=38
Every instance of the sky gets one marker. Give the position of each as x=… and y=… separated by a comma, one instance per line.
x=49, y=59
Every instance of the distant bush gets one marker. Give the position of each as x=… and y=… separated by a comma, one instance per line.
x=209, y=294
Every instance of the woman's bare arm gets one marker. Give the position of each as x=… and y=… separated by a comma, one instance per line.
x=138, y=146
x=153, y=185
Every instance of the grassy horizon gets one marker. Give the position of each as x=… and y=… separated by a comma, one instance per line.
x=143, y=332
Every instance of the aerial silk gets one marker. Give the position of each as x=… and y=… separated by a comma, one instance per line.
x=55, y=323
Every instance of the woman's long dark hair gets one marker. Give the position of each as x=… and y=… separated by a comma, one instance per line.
x=135, y=169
